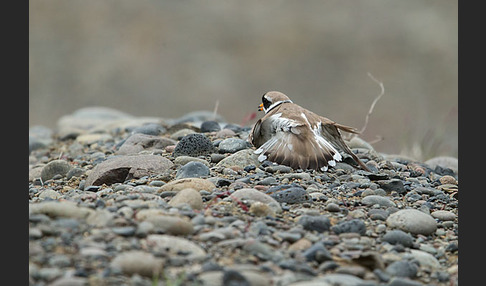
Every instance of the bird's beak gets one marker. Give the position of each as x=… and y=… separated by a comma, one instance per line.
x=260, y=107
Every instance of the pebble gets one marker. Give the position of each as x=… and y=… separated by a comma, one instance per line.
x=182, y=160
x=137, y=262
x=392, y=185
x=232, y=145
x=443, y=215
x=210, y=126
x=92, y=138
x=319, y=223
x=253, y=195
x=402, y=268
x=176, y=246
x=413, y=221
x=149, y=129
x=261, y=221
x=188, y=196
x=398, y=236
x=241, y=159
x=188, y=183
x=53, y=168
x=291, y=195
x=194, y=145
x=144, y=142
x=118, y=169
x=171, y=224
x=193, y=169
x=377, y=200
x=354, y=225
x=49, y=194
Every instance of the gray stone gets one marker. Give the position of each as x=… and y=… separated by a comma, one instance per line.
x=182, y=160
x=402, y=268
x=150, y=129
x=210, y=126
x=392, y=185
x=425, y=259
x=241, y=159
x=232, y=145
x=413, y=221
x=445, y=162
x=175, y=246
x=379, y=200
x=66, y=209
x=140, y=142
x=354, y=225
x=443, y=215
x=193, y=169
x=317, y=252
x=292, y=195
x=53, y=168
x=319, y=223
x=171, y=224
x=137, y=262
x=121, y=168
x=397, y=236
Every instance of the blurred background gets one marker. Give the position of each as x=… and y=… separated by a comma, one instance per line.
x=168, y=58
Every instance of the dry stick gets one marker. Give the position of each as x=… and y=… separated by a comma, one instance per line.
x=374, y=101
x=370, y=111
x=216, y=105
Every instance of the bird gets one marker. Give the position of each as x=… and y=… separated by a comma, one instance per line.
x=291, y=135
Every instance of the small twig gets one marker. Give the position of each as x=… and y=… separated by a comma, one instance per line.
x=215, y=111
x=374, y=102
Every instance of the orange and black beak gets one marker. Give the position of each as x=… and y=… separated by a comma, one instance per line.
x=260, y=107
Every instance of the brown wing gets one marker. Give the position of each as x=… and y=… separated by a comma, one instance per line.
x=297, y=147
x=330, y=129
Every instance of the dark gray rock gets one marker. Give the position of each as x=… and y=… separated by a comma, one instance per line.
x=292, y=195
x=234, y=278
x=398, y=237
x=194, y=145
x=319, y=223
x=354, y=225
x=150, y=129
x=210, y=126
x=317, y=252
x=392, y=185
x=402, y=268
x=193, y=169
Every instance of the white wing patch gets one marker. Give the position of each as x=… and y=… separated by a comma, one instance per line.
x=322, y=141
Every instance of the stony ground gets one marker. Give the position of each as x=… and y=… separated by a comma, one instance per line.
x=121, y=200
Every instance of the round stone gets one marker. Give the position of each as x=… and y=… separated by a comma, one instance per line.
x=413, y=221
x=53, y=168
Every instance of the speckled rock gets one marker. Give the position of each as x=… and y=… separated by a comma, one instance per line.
x=194, y=145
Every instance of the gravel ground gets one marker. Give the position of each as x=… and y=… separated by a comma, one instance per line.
x=121, y=200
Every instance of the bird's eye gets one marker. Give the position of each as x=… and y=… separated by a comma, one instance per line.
x=266, y=102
